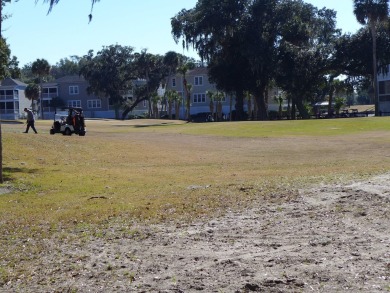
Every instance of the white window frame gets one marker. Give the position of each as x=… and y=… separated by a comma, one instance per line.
x=199, y=98
x=94, y=104
x=173, y=82
x=74, y=90
x=198, y=80
x=74, y=103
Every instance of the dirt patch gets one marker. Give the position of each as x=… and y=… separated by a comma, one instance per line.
x=328, y=239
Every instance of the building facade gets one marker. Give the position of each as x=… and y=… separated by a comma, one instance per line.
x=71, y=91
x=13, y=99
x=384, y=93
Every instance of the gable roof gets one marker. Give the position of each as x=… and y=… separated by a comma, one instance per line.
x=71, y=78
x=12, y=82
x=198, y=71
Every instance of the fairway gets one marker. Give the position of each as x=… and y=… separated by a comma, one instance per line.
x=160, y=171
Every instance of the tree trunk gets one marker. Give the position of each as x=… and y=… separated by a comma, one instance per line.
x=262, y=113
x=374, y=68
x=1, y=156
x=230, y=107
x=177, y=109
x=170, y=109
x=302, y=109
x=330, y=102
x=239, y=106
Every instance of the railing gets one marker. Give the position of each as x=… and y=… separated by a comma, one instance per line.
x=8, y=111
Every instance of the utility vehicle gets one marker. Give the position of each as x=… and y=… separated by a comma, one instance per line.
x=68, y=121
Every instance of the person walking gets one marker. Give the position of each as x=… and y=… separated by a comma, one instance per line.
x=30, y=120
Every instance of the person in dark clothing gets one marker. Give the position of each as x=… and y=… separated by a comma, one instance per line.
x=30, y=120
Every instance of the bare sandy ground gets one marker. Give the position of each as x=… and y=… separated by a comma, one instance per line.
x=328, y=239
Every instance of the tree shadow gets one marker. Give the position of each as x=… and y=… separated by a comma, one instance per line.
x=8, y=171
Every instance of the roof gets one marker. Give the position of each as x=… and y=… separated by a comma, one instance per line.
x=12, y=82
x=198, y=71
x=71, y=78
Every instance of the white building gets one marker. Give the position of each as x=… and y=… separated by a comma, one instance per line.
x=12, y=99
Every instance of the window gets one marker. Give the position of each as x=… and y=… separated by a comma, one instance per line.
x=198, y=80
x=74, y=103
x=173, y=82
x=73, y=90
x=8, y=95
x=384, y=87
x=199, y=98
x=94, y=103
x=49, y=92
x=384, y=98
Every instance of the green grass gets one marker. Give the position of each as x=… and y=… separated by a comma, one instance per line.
x=121, y=172
x=284, y=128
x=158, y=170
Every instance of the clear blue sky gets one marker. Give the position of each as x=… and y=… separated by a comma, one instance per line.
x=145, y=24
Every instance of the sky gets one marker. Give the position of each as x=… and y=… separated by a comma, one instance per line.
x=34, y=34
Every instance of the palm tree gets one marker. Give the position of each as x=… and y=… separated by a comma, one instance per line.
x=371, y=13
x=32, y=93
x=183, y=69
x=41, y=68
x=188, y=102
x=177, y=99
x=155, y=100
x=210, y=95
x=249, y=98
x=218, y=98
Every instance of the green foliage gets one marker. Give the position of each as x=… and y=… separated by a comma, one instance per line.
x=370, y=11
x=339, y=102
x=32, y=91
x=248, y=44
x=4, y=58
x=66, y=67
x=40, y=68
x=109, y=73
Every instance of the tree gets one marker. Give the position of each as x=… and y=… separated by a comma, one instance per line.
x=155, y=100
x=150, y=68
x=110, y=73
x=211, y=95
x=66, y=66
x=177, y=100
x=4, y=57
x=2, y=16
x=40, y=68
x=214, y=29
x=371, y=13
x=13, y=68
x=339, y=102
x=54, y=2
x=306, y=51
x=218, y=98
x=184, y=67
x=171, y=61
x=33, y=92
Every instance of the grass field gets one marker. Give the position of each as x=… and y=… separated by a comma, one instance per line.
x=71, y=189
x=153, y=170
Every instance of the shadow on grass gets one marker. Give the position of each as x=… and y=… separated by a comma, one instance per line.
x=8, y=171
x=147, y=125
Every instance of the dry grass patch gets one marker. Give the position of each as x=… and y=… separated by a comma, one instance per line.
x=157, y=170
